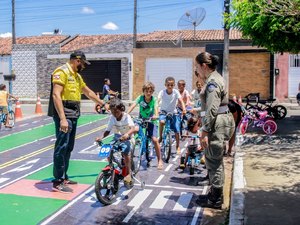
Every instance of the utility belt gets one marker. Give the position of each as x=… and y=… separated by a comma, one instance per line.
x=71, y=108
x=223, y=109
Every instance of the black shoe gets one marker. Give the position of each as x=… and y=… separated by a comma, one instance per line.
x=203, y=181
x=62, y=188
x=214, y=199
x=67, y=181
x=206, y=203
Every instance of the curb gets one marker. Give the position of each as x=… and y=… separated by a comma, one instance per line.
x=237, y=206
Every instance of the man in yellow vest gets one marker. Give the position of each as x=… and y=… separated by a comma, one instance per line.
x=64, y=106
x=4, y=95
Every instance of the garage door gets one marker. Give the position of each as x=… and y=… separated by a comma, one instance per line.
x=158, y=69
x=294, y=75
x=95, y=74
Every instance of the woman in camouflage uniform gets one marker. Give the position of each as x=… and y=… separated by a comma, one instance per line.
x=217, y=126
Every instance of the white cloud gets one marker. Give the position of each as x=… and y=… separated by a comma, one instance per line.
x=110, y=26
x=87, y=10
x=7, y=34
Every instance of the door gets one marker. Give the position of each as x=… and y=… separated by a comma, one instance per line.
x=95, y=74
x=158, y=69
x=294, y=75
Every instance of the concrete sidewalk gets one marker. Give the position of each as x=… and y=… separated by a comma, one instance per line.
x=266, y=179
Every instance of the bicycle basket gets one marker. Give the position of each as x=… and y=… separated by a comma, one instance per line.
x=192, y=149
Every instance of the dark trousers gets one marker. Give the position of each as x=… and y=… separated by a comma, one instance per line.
x=62, y=150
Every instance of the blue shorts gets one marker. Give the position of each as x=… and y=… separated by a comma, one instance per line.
x=125, y=146
x=174, y=123
x=152, y=130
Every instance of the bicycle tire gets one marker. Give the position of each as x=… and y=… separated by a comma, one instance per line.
x=192, y=167
x=169, y=146
x=281, y=112
x=269, y=127
x=11, y=118
x=136, y=157
x=101, y=185
x=147, y=152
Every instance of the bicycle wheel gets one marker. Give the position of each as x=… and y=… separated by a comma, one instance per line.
x=148, y=152
x=281, y=112
x=167, y=147
x=243, y=127
x=11, y=118
x=136, y=156
x=270, y=127
x=105, y=189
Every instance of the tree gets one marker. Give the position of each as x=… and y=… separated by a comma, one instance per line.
x=273, y=24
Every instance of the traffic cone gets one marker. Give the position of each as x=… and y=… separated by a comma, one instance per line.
x=18, y=110
x=38, y=106
x=240, y=100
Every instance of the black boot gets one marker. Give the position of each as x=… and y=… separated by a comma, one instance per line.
x=214, y=199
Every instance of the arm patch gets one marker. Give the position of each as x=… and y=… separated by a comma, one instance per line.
x=211, y=86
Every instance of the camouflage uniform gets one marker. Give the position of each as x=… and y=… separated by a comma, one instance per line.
x=219, y=123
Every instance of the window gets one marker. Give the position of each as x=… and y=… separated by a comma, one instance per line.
x=294, y=60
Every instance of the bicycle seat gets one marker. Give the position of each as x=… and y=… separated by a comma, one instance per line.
x=262, y=114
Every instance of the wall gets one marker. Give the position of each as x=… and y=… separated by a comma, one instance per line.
x=249, y=73
x=282, y=80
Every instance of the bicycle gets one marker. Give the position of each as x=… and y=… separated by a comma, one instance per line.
x=278, y=112
x=167, y=137
x=143, y=144
x=101, y=109
x=11, y=115
x=259, y=118
x=193, y=157
x=108, y=180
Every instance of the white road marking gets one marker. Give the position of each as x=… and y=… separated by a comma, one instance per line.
x=25, y=166
x=168, y=167
x=170, y=187
x=52, y=139
x=183, y=201
x=161, y=200
x=91, y=199
x=23, y=125
x=196, y=215
x=35, y=121
x=3, y=179
x=159, y=179
x=175, y=159
x=136, y=202
x=94, y=151
x=123, y=193
x=67, y=206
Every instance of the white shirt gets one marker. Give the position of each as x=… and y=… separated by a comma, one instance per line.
x=169, y=101
x=120, y=127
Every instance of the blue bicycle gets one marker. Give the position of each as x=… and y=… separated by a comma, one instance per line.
x=10, y=117
x=143, y=144
x=167, y=137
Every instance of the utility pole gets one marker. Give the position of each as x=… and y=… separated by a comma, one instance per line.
x=13, y=22
x=226, y=46
x=134, y=24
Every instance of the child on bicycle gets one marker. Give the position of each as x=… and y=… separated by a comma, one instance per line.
x=168, y=99
x=124, y=129
x=4, y=95
x=149, y=109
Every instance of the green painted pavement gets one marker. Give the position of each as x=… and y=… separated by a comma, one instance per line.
x=21, y=138
x=23, y=210
x=84, y=172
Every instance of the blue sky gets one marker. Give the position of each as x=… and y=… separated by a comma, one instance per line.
x=33, y=17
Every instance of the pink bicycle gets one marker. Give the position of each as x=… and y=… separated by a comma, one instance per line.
x=259, y=119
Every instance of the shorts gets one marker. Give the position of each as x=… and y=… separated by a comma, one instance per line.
x=125, y=146
x=4, y=109
x=106, y=98
x=174, y=123
x=152, y=130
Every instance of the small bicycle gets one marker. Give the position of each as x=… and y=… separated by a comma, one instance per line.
x=11, y=115
x=108, y=181
x=167, y=137
x=143, y=144
x=101, y=109
x=193, y=156
x=258, y=119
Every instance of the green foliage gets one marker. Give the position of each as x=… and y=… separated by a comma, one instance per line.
x=273, y=24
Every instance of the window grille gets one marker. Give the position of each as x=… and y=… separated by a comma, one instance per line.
x=294, y=60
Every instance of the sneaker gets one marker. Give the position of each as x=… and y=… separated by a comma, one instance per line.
x=62, y=188
x=67, y=181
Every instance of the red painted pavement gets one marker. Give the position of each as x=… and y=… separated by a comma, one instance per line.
x=37, y=188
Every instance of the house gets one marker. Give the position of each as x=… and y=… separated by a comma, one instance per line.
x=171, y=53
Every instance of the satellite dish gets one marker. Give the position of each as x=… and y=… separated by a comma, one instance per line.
x=191, y=19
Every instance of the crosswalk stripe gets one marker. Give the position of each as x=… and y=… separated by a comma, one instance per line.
x=159, y=179
x=3, y=180
x=161, y=200
x=123, y=193
x=136, y=202
x=183, y=201
x=168, y=167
